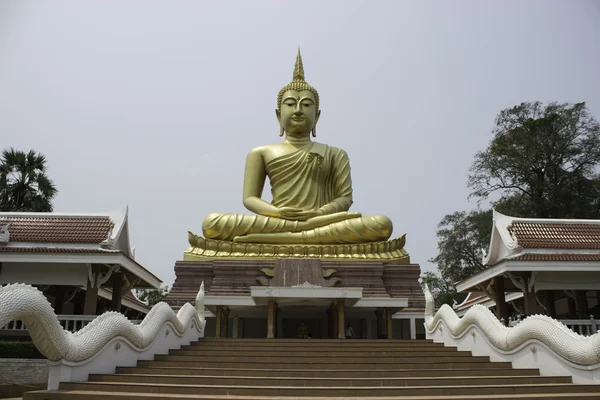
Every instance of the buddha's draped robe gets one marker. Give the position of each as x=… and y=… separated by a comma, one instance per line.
x=316, y=176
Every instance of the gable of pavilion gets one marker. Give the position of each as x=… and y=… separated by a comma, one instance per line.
x=537, y=265
x=82, y=262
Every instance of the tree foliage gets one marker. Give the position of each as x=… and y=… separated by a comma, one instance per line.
x=153, y=296
x=24, y=185
x=442, y=292
x=462, y=236
x=541, y=162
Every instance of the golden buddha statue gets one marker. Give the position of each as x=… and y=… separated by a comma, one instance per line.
x=312, y=193
x=310, y=184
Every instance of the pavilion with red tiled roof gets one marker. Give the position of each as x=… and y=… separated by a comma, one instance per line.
x=539, y=266
x=82, y=262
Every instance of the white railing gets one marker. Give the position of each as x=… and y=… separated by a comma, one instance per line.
x=585, y=327
x=71, y=323
x=14, y=326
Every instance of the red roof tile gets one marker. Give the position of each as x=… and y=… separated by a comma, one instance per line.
x=557, y=257
x=556, y=236
x=58, y=229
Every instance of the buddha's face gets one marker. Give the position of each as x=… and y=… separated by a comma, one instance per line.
x=298, y=113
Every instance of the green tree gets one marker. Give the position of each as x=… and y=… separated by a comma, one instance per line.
x=153, y=296
x=24, y=185
x=541, y=162
x=441, y=289
x=462, y=236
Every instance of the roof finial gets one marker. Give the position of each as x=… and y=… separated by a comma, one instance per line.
x=298, y=68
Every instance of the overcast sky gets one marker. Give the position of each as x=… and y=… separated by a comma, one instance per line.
x=154, y=104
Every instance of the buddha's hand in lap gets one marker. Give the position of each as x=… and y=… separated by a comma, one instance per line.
x=324, y=220
x=316, y=217
x=297, y=214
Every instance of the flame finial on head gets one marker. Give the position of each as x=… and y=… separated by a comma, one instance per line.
x=298, y=68
x=298, y=82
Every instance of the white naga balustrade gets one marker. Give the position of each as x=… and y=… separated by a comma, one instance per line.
x=110, y=340
x=536, y=342
x=585, y=327
x=71, y=323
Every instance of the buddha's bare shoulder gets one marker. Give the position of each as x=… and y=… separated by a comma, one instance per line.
x=270, y=151
x=337, y=151
x=266, y=147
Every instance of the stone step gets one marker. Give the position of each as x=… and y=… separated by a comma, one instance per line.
x=319, y=353
x=259, y=381
x=328, y=373
x=420, y=347
x=316, y=342
x=93, y=395
x=336, y=347
x=242, y=363
x=336, y=391
x=348, y=358
x=340, y=344
x=99, y=395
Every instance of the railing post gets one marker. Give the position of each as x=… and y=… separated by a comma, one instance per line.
x=594, y=326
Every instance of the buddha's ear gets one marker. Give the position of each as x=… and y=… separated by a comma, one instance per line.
x=278, y=113
x=317, y=116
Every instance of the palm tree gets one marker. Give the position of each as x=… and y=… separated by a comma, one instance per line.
x=24, y=185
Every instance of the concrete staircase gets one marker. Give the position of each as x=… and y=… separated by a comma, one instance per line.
x=286, y=369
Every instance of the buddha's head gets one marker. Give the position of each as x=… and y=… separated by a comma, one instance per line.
x=298, y=104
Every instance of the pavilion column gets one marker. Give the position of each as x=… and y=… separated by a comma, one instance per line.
x=550, y=304
x=91, y=293
x=413, y=328
x=501, y=307
x=330, y=329
x=583, y=310
x=379, y=317
x=572, y=308
x=334, y=320
x=341, y=330
x=236, y=327
x=59, y=299
x=277, y=329
x=571, y=305
x=526, y=284
x=117, y=292
x=225, y=321
x=271, y=321
x=218, y=321
x=389, y=313
x=500, y=299
x=530, y=303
